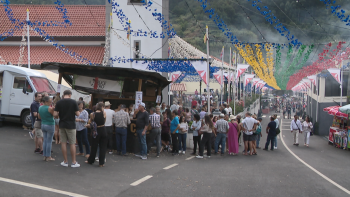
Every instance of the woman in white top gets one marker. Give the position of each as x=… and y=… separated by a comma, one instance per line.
x=182, y=135
x=307, y=126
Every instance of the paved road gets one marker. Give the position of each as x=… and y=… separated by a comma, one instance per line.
x=273, y=173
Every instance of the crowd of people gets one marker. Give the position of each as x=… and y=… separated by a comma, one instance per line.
x=72, y=122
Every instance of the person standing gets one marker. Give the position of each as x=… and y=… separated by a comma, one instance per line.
x=202, y=113
x=232, y=136
x=121, y=120
x=207, y=128
x=277, y=126
x=66, y=109
x=249, y=125
x=174, y=106
x=47, y=127
x=196, y=92
x=155, y=133
x=109, y=125
x=258, y=133
x=34, y=108
x=289, y=111
x=307, y=126
x=163, y=108
x=182, y=135
x=271, y=134
x=82, y=136
x=142, y=121
x=174, y=129
x=99, y=141
x=296, y=128
x=221, y=128
x=166, y=131
x=196, y=125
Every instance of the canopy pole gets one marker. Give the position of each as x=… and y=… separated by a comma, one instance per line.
x=208, y=70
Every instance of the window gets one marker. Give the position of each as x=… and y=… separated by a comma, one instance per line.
x=137, y=45
x=314, y=87
x=332, y=87
x=20, y=82
x=137, y=2
x=1, y=77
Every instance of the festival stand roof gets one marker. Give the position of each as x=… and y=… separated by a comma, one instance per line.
x=110, y=73
x=180, y=87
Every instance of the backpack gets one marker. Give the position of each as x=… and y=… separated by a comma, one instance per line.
x=93, y=127
x=258, y=130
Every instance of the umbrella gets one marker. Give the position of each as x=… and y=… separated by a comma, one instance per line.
x=345, y=109
x=335, y=112
x=328, y=108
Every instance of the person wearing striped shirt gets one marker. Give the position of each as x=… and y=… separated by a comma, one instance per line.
x=155, y=134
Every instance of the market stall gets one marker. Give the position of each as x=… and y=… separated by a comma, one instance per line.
x=346, y=109
x=338, y=132
x=116, y=85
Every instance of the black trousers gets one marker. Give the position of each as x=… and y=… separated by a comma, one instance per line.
x=196, y=140
x=206, y=142
x=99, y=141
x=109, y=131
x=175, y=143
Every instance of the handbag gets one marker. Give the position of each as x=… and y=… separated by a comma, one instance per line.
x=37, y=124
x=93, y=127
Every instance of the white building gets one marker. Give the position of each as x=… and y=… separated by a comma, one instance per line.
x=141, y=19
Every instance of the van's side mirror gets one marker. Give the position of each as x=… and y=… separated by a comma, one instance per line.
x=24, y=90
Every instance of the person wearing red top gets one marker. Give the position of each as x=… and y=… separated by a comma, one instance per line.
x=194, y=103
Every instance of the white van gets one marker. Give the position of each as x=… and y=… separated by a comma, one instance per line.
x=17, y=89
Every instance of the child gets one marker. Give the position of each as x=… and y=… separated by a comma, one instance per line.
x=182, y=134
x=258, y=133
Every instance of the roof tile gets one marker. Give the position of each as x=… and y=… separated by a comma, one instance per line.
x=40, y=54
x=86, y=20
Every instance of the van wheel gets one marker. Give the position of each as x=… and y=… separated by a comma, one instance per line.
x=25, y=118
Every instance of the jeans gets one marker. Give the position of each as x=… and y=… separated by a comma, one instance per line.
x=175, y=143
x=99, y=144
x=270, y=137
x=206, y=142
x=275, y=141
x=220, y=139
x=182, y=141
x=32, y=118
x=109, y=131
x=142, y=141
x=258, y=140
x=121, y=134
x=82, y=138
x=155, y=134
x=196, y=140
x=48, y=131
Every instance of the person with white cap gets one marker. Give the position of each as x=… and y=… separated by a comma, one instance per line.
x=221, y=128
x=109, y=125
x=142, y=121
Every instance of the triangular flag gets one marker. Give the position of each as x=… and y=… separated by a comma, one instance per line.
x=241, y=69
x=313, y=79
x=248, y=78
x=255, y=81
x=218, y=77
x=201, y=68
x=175, y=75
x=335, y=72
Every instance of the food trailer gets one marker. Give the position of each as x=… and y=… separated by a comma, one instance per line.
x=117, y=85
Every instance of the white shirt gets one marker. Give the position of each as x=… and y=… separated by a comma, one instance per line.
x=248, y=123
x=306, y=126
x=296, y=126
x=203, y=98
x=173, y=107
x=226, y=109
x=230, y=110
x=109, y=117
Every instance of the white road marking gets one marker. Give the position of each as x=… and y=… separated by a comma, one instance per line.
x=316, y=171
x=40, y=187
x=171, y=166
x=190, y=158
x=264, y=116
x=138, y=182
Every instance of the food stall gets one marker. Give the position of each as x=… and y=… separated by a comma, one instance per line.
x=117, y=85
x=338, y=132
x=346, y=110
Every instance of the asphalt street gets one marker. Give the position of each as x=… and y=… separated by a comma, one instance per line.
x=321, y=170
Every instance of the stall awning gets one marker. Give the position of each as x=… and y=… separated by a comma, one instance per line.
x=180, y=87
x=334, y=111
